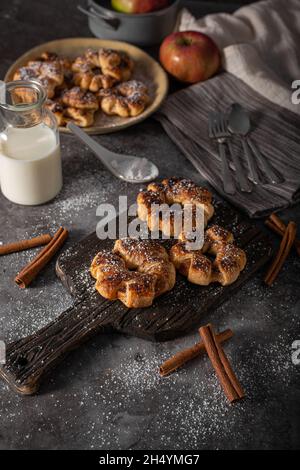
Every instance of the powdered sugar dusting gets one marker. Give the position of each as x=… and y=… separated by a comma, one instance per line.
x=75, y=209
x=109, y=395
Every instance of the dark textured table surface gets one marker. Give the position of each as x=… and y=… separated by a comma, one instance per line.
x=108, y=394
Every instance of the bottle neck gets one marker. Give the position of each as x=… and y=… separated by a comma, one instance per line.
x=23, y=104
x=21, y=118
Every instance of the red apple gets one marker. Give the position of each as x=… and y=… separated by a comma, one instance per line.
x=190, y=56
x=138, y=6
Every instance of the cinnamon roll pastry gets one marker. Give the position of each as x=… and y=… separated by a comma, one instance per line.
x=93, y=80
x=116, y=64
x=82, y=64
x=153, y=273
x=49, y=74
x=63, y=114
x=57, y=109
x=229, y=260
x=105, y=93
x=51, y=70
x=76, y=88
x=126, y=99
x=101, y=69
x=65, y=62
x=81, y=117
x=173, y=191
x=80, y=99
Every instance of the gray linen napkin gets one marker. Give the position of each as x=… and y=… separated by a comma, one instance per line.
x=276, y=131
x=259, y=44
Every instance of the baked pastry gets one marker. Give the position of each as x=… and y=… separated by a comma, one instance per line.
x=81, y=99
x=101, y=69
x=50, y=74
x=82, y=64
x=200, y=269
x=73, y=105
x=77, y=87
x=81, y=117
x=93, y=80
x=168, y=192
x=64, y=62
x=57, y=109
x=64, y=114
x=66, y=66
x=154, y=274
x=89, y=76
x=126, y=99
x=116, y=64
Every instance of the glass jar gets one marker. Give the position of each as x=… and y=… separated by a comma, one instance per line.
x=30, y=160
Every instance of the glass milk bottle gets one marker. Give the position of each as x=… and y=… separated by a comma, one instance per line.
x=30, y=161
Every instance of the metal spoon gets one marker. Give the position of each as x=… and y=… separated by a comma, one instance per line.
x=126, y=167
x=239, y=123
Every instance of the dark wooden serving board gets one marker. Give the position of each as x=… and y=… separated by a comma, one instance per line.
x=171, y=315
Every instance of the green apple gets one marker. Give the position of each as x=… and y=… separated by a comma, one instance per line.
x=138, y=6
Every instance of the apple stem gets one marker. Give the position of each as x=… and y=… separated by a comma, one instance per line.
x=184, y=41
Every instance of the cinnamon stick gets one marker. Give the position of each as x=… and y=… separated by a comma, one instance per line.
x=179, y=359
x=227, y=378
x=277, y=221
x=274, y=227
x=278, y=226
x=283, y=252
x=25, y=244
x=29, y=272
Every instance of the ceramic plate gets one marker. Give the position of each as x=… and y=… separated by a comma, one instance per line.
x=146, y=69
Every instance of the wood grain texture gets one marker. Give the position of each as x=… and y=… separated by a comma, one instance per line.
x=29, y=359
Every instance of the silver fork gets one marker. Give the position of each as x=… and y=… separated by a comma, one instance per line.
x=215, y=132
x=243, y=182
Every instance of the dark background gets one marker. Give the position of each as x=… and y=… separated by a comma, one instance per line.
x=108, y=394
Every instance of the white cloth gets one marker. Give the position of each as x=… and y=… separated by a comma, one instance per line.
x=260, y=44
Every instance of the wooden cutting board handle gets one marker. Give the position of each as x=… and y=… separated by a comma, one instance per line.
x=29, y=359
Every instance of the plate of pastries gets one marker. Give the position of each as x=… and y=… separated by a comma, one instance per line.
x=100, y=85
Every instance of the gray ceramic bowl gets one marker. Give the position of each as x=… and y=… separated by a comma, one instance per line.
x=141, y=29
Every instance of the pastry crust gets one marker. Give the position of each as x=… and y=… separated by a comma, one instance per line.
x=57, y=109
x=101, y=69
x=76, y=88
x=81, y=117
x=200, y=269
x=92, y=81
x=168, y=192
x=116, y=64
x=154, y=274
x=80, y=99
x=50, y=74
x=127, y=99
x=64, y=62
